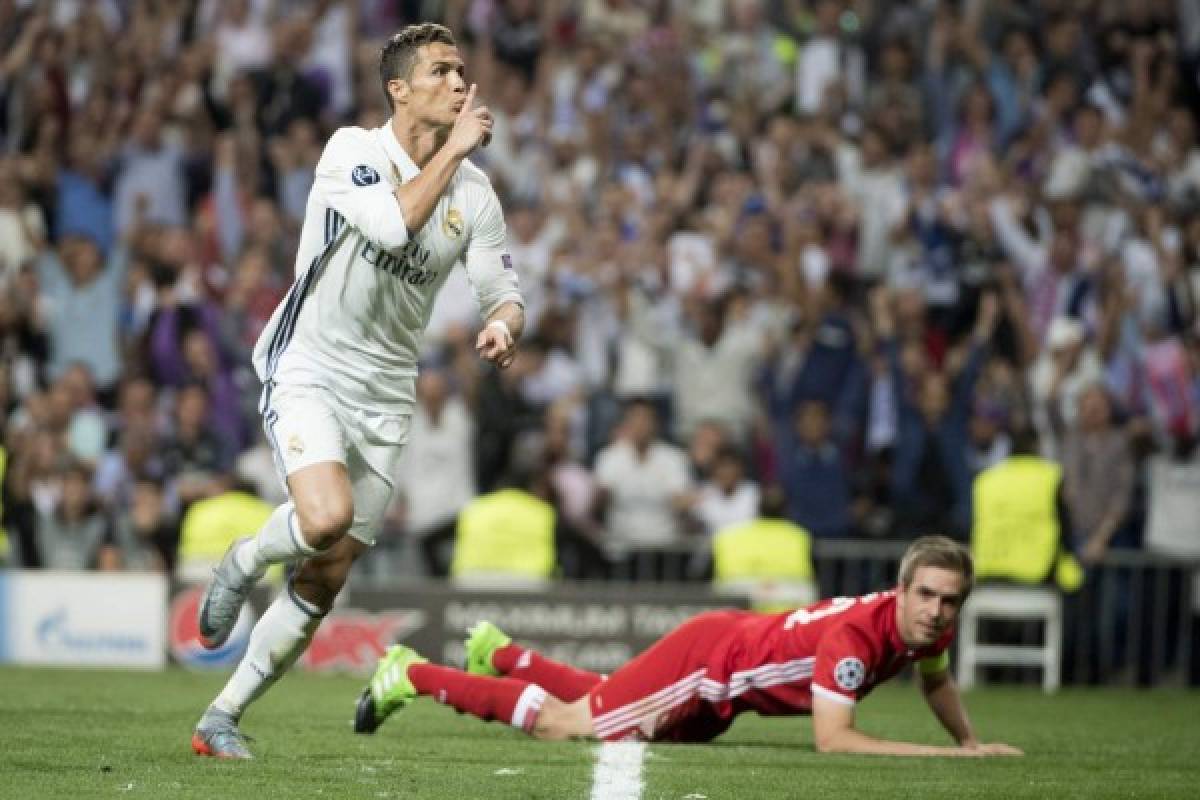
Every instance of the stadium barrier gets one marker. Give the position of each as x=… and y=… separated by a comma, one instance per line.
x=1134, y=622
x=93, y=619
x=597, y=627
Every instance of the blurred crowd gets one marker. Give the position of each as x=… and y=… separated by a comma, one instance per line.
x=826, y=256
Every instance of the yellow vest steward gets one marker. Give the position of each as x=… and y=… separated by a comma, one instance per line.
x=1016, y=535
x=210, y=525
x=506, y=532
x=775, y=554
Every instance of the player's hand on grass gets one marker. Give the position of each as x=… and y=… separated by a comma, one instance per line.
x=994, y=749
x=495, y=344
x=472, y=128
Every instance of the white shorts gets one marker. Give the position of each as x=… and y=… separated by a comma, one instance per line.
x=307, y=425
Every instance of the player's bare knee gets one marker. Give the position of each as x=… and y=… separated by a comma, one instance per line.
x=558, y=720
x=325, y=522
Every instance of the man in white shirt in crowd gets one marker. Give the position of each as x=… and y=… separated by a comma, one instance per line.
x=437, y=472
x=645, y=487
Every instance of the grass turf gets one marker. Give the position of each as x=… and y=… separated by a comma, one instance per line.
x=84, y=734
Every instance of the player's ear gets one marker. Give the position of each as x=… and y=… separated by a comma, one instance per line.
x=399, y=90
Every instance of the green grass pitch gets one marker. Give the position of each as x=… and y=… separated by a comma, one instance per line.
x=84, y=734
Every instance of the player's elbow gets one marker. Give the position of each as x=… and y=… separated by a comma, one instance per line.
x=387, y=231
x=829, y=745
x=824, y=745
x=831, y=741
x=390, y=238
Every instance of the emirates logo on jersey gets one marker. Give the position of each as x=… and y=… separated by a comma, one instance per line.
x=850, y=673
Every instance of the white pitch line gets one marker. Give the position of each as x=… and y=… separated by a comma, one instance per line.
x=618, y=774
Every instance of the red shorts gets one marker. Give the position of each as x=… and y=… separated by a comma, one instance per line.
x=659, y=694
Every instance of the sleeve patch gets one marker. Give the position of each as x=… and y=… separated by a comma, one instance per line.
x=364, y=175
x=850, y=673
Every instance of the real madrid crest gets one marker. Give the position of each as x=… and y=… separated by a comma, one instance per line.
x=452, y=226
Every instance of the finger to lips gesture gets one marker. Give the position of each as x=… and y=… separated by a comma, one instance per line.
x=473, y=127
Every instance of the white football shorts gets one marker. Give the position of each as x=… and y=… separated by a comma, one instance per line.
x=307, y=425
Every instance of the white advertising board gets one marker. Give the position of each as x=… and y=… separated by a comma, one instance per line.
x=83, y=619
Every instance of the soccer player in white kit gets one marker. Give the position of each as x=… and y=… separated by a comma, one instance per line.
x=391, y=211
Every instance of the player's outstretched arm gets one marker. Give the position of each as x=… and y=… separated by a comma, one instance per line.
x=419, y=197
x=834, y=732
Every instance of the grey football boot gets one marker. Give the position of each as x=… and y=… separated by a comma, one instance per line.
x=217, y=735
x=223, y=598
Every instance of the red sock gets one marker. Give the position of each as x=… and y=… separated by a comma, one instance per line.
x=506, y=699
x=561, y=680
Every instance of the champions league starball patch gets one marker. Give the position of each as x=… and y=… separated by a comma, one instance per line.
x=363, y=175
x=849, y=673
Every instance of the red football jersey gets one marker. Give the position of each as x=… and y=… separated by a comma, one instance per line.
x=840, y=649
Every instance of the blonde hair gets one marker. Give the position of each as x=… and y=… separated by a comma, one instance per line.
x=941, y=552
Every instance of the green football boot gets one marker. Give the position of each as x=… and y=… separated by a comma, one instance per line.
x=389, y=689
x=483, y=639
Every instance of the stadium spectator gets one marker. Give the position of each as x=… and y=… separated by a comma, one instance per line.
x=87, y=430
x=83, y=206
x=436, y=476
x=728, y=497
x=645, y=488
x=72, y=529
x=149, y=184
x=815, y=476
x=932, y=412
x=146, y=535
x=713, y=360
x=22, y=224
x=1098, y=475
x=82, y=296
x=194, y=464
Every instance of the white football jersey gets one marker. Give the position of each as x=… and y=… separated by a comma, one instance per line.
x=364, y=289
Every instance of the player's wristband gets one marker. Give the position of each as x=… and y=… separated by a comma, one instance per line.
x=502, y=325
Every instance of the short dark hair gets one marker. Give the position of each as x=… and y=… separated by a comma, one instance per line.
x=400, y=53
x=941, y=552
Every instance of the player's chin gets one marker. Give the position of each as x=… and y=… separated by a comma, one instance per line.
x=927, y=635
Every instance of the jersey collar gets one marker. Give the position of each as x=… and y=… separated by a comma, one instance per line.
x=403, y=163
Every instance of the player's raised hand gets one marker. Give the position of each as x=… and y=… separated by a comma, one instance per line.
x=472, y=128
x=495, y=343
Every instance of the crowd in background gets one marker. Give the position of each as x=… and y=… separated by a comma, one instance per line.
x=827, y=255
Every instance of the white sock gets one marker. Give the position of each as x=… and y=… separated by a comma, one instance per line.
x=278, y=639
x=278, y=542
